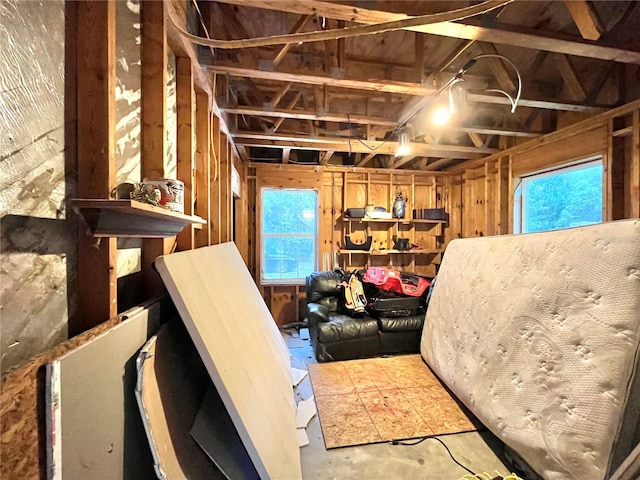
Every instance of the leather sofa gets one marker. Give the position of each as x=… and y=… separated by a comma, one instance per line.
x=337, y=335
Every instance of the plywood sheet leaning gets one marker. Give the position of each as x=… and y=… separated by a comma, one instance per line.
x=242, y=350
x=93, y=426
x=171, y=384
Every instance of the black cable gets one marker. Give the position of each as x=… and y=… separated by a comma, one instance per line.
x=399, y=442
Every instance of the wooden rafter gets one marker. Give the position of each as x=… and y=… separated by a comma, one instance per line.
x=469, y=29
x=280, y=93
x=401, y=162
x=363, y=161
x=404, y=88
x=325, y=157
x=341, y=144
x=365, y=120
x=475, y=139
x=597, y=86
x=442, y=162
x=291, y=104
x=570, y=77
x=585, y=18
x=504, y=76
x=300, y=24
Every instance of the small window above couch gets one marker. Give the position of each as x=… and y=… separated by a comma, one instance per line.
x=288, y=235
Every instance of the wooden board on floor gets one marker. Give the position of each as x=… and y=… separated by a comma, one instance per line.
x=94, y=429
x=242, y=350
x=380, y=399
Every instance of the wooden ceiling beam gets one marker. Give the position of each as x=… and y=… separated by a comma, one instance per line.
x=475, y=139
x=338, y=144
x=469, y=30
x=325, y=157
x=504, y=76
x=585, y=18
x=401, y=162
x=300, y=24
x=366, y=120
x=572, y=82
x=419, y=56
x=242, y=151
x=442, y=162
x=366, y=159
x=280, y=93
x=292, y=104
x=600, y=81
x=404, y=88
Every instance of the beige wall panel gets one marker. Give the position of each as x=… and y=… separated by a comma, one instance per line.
x=355, y=195
x=452, y=202
x=572, y=148
x=379, y=195
x=283, y=304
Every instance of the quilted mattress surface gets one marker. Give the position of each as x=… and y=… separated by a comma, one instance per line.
x=538, y=334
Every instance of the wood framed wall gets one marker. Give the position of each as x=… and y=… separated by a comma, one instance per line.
x=340, y=188
x=488, y=185
x=204, y=150
x=197, y=122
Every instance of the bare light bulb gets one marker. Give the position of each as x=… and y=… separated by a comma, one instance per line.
x=404, y=144
x=440, y=116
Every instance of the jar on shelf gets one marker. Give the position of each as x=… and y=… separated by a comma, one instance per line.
x=399, y=206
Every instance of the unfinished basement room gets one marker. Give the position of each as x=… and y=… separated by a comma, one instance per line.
x=320, y=239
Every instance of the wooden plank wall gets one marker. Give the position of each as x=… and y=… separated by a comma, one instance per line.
x=341, y=188
x=488, y=185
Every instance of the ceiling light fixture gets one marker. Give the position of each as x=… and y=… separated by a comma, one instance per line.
x=457, y=93
x=404, y=143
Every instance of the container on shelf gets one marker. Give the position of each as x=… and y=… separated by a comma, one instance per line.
x=171, y=193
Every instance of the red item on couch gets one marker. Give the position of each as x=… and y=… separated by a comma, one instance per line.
x=395, y=281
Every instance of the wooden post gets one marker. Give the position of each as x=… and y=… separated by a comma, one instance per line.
x=154, y=120
x=96, y=119
x=634, y=167
x=224, y=183
x=203, y=130
x=185, y=101
x=214, y=182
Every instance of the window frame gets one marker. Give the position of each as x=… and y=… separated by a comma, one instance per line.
x=315, y=237
x=520, y=214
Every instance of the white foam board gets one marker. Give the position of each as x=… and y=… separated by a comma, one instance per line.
x=242, y=349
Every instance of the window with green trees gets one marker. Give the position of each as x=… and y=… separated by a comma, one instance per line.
x=562, y=198
x=289, y=234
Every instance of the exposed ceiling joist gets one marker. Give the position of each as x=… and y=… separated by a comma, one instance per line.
x=300, y=24
x=585, y=18
x=404, y=88
x=366, y=159
x=570, y=77
x=438, y=164
x=367, y=120
x=469, y=30
x=303, y=142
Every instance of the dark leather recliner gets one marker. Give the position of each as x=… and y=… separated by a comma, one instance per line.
x=339, y=336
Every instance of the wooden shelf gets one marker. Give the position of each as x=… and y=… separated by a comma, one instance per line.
x=128, y=218
x=404, y=221
x=391, y=252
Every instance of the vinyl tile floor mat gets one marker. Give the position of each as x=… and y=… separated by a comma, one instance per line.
x=381, y=399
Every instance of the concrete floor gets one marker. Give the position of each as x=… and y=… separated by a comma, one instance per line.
x=478, y=451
